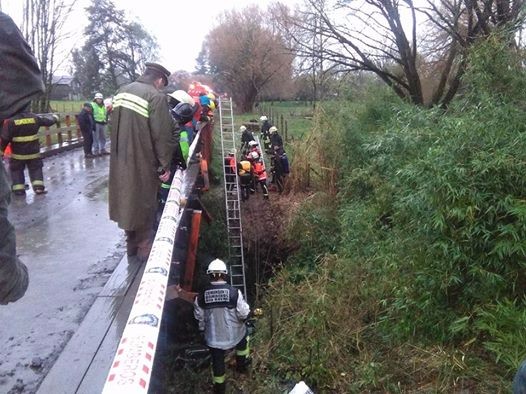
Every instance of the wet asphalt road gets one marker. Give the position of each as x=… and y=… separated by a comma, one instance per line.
x=70, y=248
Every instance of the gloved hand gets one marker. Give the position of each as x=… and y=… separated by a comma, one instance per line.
x=57, y=119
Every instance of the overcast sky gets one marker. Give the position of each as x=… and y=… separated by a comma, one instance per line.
x=179, y=26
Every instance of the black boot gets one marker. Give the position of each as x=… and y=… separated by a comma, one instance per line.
x=219, y=388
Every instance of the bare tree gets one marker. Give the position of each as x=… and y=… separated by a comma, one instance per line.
x=43, y=27
x=247, y=54
x=380, y=36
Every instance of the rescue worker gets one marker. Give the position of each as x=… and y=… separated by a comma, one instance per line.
x=230, y=170
x=86, y=124
x=221, y=311
x=21, y=130
x=264, y=132
x=253, y=146
x=277, y=170
x=143, y=139
x=260, y=174
x=100, y=118
x=21, y=82
x=182, y=113
x=246, y=178
x=180, y=96
x=246, y=137
x=275, y=138
x=204, y=100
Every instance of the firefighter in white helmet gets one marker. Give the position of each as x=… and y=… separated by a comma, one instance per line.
x=264, y=132
x=246, y=137
x=221, y=312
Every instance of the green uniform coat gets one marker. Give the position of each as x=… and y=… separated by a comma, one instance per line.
x=142, y=140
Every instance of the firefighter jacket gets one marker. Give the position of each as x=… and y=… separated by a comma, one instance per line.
x=21, y=78
x=221, y=312
x=276, y=140
x=246, y=137
x=143, y=138
x=230, y=164
x=259, y=170
x=244, y=170
x=21, y=131
x=265, y=127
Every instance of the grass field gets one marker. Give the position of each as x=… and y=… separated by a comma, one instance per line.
x=292, y=118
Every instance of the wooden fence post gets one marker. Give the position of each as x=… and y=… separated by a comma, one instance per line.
x=48, y=137
x=286, y=131
x=68, y=124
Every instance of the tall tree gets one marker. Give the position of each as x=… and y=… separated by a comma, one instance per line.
x=245, y=54
x=202, y=61
x=380, y=36
x=43, y=27
x=116, y=49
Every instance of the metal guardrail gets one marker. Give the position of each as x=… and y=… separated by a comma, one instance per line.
x=133, y=362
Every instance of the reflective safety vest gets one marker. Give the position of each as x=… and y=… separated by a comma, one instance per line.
x=99, y=113
x=259, y=170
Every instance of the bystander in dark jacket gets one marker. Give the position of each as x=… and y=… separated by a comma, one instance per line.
x=86, y=124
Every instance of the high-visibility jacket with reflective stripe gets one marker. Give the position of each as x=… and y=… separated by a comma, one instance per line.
x=22, y=132
x=259, y=170
x=99, y=112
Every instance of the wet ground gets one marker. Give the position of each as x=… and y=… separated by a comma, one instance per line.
x=71, y=248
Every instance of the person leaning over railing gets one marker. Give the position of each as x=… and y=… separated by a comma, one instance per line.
x=21, y=82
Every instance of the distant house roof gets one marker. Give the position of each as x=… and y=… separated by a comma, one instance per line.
x=62, y=80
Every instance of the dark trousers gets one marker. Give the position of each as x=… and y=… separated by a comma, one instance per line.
x=13, y=273
x=264, y=188
x=218, y=363
x=87, y=136
x=277, y=179
x=34, y=167
x=139, y=243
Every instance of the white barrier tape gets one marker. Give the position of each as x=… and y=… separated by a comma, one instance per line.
x=132, y=365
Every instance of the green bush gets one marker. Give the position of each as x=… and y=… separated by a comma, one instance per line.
x=431, y=232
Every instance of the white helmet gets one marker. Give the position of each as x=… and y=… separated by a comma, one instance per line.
x=254, y=155
x=252, y=143
x=242, y=128
x=182, y=97
x=263, y=118
x=217, y=267
x=99, y=96
x=273, y=129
